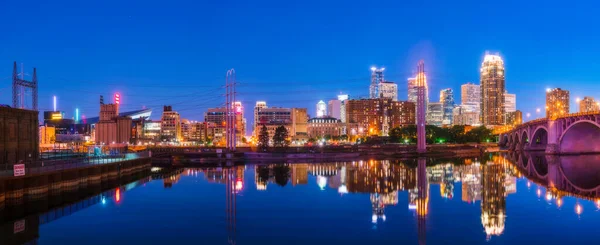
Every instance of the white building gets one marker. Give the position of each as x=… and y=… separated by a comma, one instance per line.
x=334, y=109
x=321, y=109
x=435, y=114
x=343, y=98
x=388, y=89
x=510, y=102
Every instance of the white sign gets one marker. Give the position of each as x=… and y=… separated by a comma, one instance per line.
x=19, y=226
x=19, y=169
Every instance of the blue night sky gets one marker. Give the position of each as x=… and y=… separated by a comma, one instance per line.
x=289, y=53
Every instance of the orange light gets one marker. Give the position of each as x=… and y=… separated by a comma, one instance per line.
x=118, y=195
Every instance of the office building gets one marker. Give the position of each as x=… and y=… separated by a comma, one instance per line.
x=378, y=116
x=465, y=115
x=388, y=90
x=557, y=102
x=320, y=127
x=413, y=91
x=376, y=79
x=492, y=87
x=510, y=102
x=334, y=109
x=343, y=98
x=295, y=120
x=470, y=94
x=514, y=118
x=447, y=100
x=435, y=114
x=259, y=105
x=588, y=104
x=170, y=128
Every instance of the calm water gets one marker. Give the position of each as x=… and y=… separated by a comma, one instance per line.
x=509, y=199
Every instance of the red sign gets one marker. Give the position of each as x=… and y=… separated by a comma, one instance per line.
x=19, y=226
x=19, y=170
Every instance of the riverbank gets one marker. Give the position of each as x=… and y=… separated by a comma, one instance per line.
x=15, y=190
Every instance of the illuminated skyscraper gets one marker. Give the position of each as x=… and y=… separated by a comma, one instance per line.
x=447, y=100
x=492, y=90
x=588, y=104
x=376, y=79
x=321, y=109
x=557, y=102
x=470, y=94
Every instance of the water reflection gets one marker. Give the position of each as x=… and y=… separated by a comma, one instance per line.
x=486, y=182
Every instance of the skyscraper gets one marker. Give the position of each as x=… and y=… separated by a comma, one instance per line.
x=321, y=109
x=470, y=95
x=492, y=90
x=388, y=89
x=334, y=109
x=413, y=91
x=510, y=102
x=588, y=104
x=376, y=79
x=435, y=114
x=447, y=100
x=557, y=102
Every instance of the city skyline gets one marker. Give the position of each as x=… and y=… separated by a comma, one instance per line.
x=153, y=65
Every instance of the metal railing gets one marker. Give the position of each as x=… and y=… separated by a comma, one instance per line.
x=44, y=166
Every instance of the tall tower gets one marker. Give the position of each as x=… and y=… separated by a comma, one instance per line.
x=447, y=100
x=492, y=90
x=421, y=107
x=376, y=79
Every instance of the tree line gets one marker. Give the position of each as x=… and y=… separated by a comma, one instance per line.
x=433, y=134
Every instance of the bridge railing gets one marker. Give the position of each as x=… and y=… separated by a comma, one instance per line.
x=43, y=166
x=577, y=114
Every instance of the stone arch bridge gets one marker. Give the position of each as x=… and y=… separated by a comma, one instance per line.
x=577, y=133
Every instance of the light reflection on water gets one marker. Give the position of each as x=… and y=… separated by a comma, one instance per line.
x=500, y=199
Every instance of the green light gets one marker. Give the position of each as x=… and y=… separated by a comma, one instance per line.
x=487, y=140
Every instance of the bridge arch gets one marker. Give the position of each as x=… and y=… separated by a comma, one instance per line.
x=578, y=136
x=540, y=136
x=524, y=137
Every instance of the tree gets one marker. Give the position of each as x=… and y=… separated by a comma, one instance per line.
x=479, y=134
x=280, y=138
x=263, y=138
x=395, y=135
